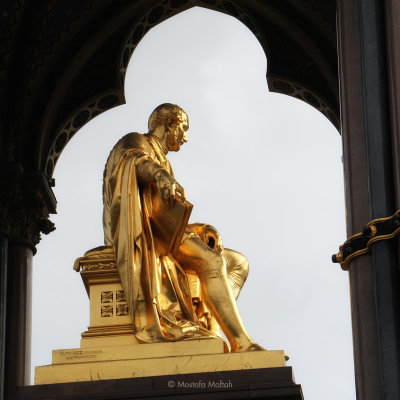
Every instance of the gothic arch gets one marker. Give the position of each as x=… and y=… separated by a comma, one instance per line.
x=299, y=64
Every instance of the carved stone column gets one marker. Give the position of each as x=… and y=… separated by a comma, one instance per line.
x=26, y=200
x=3, y=314
x=370, y=191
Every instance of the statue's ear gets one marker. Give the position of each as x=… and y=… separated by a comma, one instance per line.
x=169, y=124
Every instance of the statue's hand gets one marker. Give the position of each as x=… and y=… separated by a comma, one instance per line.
x=213, y=238
x=208, y=235
x=167, y=187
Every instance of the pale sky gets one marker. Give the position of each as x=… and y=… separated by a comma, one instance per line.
x=265, y=169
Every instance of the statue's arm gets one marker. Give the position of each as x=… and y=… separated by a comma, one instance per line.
x=148, y=172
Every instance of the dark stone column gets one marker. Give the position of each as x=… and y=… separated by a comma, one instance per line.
x=25, y=203
x=392, y=16
x=3, y=313
x=370, y=193
x=19, y=313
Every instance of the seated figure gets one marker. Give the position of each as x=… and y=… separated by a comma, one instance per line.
x=160, y=298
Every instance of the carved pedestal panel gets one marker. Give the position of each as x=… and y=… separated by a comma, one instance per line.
x=110, y=322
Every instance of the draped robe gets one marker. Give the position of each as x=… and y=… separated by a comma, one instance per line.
x=156, y=287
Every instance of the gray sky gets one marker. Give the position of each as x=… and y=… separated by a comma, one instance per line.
x=263, y=168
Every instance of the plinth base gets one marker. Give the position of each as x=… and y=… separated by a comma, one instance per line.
x=267, y=384
x=142, y=360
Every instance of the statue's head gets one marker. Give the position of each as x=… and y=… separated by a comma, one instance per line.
x=175, y=121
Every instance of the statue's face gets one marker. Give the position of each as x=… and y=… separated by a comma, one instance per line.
x=177, y=137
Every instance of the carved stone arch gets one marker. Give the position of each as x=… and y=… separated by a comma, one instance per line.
x=298, y=38
x=114, y=97
x=85, y=113
x=169, y=8
x=301, y=92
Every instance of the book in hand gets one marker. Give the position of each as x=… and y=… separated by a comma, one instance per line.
x=168, y=224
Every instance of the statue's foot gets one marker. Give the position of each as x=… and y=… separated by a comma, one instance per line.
x=252, y=347
x=255, y=347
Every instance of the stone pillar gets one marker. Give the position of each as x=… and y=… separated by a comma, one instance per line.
x=3, y=313
x=18, y=320
x=26, y=200
x=392, y=17
x=370, y=193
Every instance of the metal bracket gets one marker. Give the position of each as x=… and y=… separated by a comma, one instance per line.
x=360, y=243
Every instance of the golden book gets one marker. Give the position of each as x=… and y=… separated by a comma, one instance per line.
x=169, y=224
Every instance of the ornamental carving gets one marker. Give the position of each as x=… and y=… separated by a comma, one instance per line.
x=107, y=297
x=120, y=296
x=87, y=112
x=295, y=90
x=98, y=266
x=121, y=310
x=106, y=311
x=26, y=200
x=169, y=8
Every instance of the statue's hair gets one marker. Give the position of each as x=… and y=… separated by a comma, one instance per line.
x=165, y=112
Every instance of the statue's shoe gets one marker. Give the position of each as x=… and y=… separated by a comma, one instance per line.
x=257, y=347
x=252, y=347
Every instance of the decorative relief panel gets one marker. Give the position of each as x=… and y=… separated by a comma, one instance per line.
x=106, y=311
x=107, y=297
x=120, y=296
x=116, y=303
x=121, y=310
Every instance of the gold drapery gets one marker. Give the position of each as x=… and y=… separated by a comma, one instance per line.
x=156, y=287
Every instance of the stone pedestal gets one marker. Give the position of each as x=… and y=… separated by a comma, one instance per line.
x=158, y=359
x=109, y=350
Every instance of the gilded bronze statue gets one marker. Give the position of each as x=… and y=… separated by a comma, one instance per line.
x=163, y=299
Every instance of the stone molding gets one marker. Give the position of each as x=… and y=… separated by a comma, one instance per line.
x=26, y=200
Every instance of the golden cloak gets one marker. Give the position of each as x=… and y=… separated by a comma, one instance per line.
x=156, y=287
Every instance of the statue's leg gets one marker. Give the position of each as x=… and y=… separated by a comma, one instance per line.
x=237, y=268
x=195, y=256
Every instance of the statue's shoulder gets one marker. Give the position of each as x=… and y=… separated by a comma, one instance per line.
x=133, y=140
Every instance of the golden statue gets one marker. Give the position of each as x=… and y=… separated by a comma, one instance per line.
x=160, y=287
x=158, y=279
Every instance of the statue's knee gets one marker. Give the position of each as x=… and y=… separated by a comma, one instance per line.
x=237, y=264
x=243, y=269
x=213, y=266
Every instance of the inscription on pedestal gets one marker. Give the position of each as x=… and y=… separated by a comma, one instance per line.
x=76, y=355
